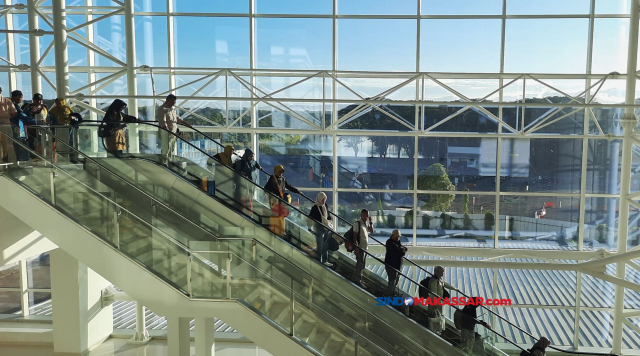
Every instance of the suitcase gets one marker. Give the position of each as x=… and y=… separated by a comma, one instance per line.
x=276, y=225
x=209, y=185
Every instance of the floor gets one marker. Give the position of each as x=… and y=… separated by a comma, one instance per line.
x=119, y=347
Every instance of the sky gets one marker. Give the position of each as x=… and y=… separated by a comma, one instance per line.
x=446, y=45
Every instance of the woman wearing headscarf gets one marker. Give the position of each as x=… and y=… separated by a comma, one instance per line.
x=277, y=184
x=248, y=167
x=226, y=156
x=468, y=318
x=114, y=139
x=320, y=213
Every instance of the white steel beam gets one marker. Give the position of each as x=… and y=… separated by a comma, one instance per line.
x=34, y=47
x=60, y=39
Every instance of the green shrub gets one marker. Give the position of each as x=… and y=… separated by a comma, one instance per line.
x=489, y=220
x=426, y=221
x=391, y=221
x=408, y=219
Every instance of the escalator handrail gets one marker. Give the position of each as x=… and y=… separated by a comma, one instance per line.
x=291, y=206
x=180, y=245
x=151, y=123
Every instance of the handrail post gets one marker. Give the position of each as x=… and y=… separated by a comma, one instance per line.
x=291, y=308
x=52, y=178
x=356, y=345
x=189, y=267
x=229, y=276
x=116, y=228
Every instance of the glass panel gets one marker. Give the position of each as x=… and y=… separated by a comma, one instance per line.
x=359, y=45
x=39, y=303
x=230, y=49
x=600, y=226
x=547, y=7
x=377, y=7
x=535, y=222
x=9, y=302
x=555, y=324
x=456, y=220
x=612, y=6
x=565, y=38
x=294, y=43
x=10, y=276
x=529, y=287
x=151, y=40
x=603, y=170
x=469, y=163
x=307, y=158
x=150, y=5
x=480, y=37
x=541, y=165
x=110, y=36
x=371, y=161
x=38, y=275
x=596, y=327
x=232, y=6
x=294, y=7
x=610, y=41
x=462, y=7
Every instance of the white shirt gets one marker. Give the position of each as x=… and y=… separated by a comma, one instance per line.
x=363, y=236
x=168, y=118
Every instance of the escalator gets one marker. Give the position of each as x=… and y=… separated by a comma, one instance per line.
x=235, y=219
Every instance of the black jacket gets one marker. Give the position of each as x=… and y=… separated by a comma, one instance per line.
x=394, y=254
x=272, y=187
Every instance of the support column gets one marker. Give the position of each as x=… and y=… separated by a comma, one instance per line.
x=178, y=336
x=132, y=83
x=628, y=122
x=11, y=50
x=60, y=48
x=205, y=337
x=142, y=335
x=24, y=285
x=34, y=47
x=80, y=321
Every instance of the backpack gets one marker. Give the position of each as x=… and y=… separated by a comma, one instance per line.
x=350, y=237
x=457, y=319
x=423, y=292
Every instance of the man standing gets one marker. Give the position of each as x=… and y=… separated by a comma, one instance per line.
x=168, y=119
x=7, y=112
x=393, y=261
x=20, y=122
x=362, y=228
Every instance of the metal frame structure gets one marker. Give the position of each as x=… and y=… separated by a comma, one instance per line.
x=242, y=85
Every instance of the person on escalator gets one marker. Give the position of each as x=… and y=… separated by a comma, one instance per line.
x=538, y=349
x=393, y=261
x=113, y=128
x=466, y=320
x=39, y=112
x=61, y=112
x=362, y=231
x=226, y=157
x=320, y=213
x=437, y=285
x=277, y=184
x=7, y=112
x=248, y=167
x=19, y=124
x=168, y=121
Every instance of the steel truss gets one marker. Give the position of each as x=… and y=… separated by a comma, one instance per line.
x=333, y=90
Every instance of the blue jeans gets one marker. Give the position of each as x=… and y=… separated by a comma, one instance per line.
x=322, y=247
